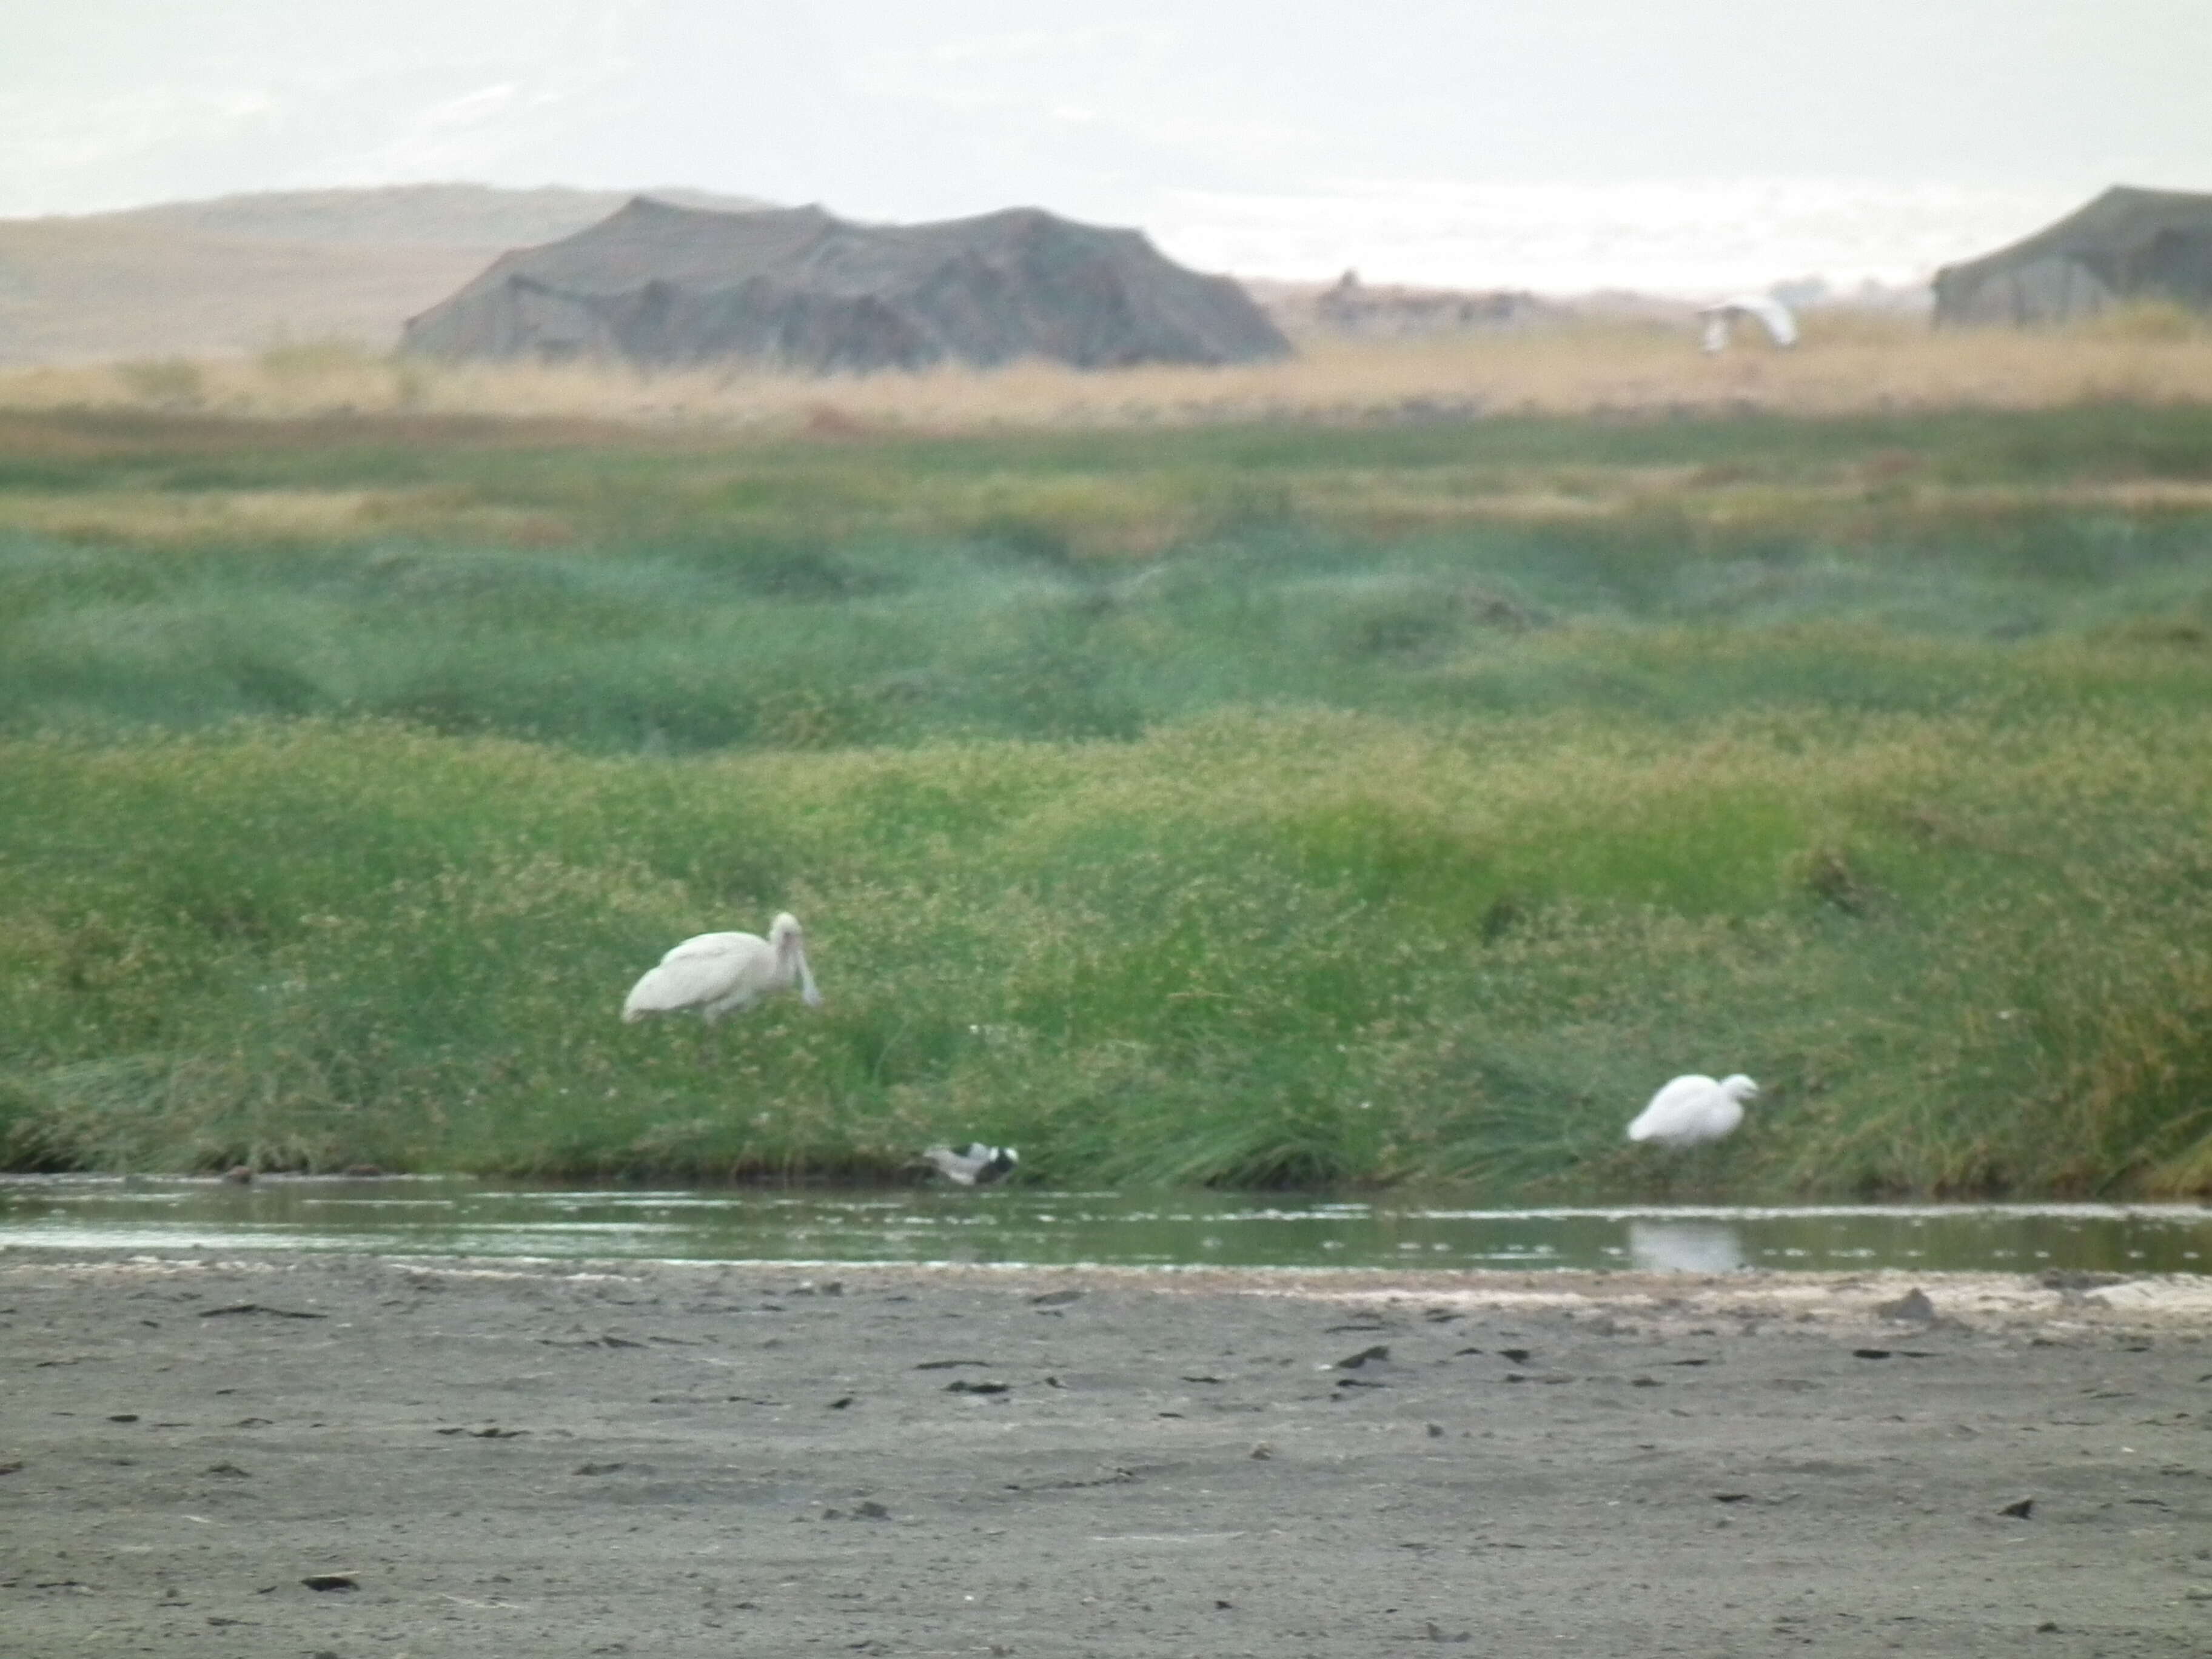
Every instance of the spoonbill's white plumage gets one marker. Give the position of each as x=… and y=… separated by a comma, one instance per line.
x=720, y=973
x=1693, y=1110
x=978, y=1166
x=1772, y=315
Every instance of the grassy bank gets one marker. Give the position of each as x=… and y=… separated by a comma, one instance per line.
x=1964, y=952
x=1255, y=804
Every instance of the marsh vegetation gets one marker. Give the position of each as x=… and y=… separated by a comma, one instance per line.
x=1254, y=803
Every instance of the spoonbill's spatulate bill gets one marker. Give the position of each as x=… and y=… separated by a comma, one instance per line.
x=1693, y=1110
x=719, y=974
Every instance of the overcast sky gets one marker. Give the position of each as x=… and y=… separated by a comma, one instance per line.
x=1480, y=141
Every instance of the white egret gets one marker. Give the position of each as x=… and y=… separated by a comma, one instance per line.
x=721, y=972
x=1773, y=316
x=978, y=1166
x=1693, y=1110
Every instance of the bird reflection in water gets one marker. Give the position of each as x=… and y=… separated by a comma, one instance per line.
x=1684, y=1247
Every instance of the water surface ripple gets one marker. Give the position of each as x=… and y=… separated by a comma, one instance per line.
x=455, y=1216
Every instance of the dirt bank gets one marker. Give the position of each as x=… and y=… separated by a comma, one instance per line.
x=678, y=1459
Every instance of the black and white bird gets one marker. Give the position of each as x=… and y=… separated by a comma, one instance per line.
x=978, y=1166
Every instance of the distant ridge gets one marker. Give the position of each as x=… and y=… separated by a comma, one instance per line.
x=239, y=273
x=426, y=215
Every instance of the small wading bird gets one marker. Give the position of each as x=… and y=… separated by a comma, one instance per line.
x=1692, y=1111
x=978, y=1166
x=1773, y=316
x=719, y=974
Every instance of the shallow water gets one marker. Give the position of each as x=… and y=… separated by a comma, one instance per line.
x=447, y=1215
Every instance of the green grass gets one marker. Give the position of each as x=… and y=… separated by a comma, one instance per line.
x=632, y=647
x=1963, y=953
x=1249, y=806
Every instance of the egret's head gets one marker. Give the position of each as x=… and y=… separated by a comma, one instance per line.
x=1739, y=1088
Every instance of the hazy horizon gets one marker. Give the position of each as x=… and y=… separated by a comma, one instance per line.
x=1671, y=145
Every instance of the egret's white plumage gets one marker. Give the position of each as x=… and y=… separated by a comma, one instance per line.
x=1693, y=1110
x=978, y=1166
x=1773, y=316
x=720, y=973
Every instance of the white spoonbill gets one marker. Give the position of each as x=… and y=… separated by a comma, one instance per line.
x=720, y=973
x=1693, y=1110
x=977, y=1166
x=1773, y=316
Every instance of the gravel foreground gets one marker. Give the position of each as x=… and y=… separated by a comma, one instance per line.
x=483, y=1458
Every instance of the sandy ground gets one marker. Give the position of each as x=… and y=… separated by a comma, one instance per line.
x=678, y=1459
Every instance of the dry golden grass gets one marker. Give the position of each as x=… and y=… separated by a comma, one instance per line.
x=1847, y=363
x=152, y=518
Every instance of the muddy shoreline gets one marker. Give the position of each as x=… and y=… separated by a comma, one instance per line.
x=504, y=1458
